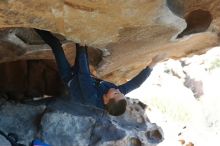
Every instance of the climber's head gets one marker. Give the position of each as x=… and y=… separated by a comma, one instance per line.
x=114, y=102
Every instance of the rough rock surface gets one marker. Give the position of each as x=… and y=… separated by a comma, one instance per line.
x=20, y=119
x=128, y=32
x=4, y=141
x=125, y=35
x=62, y=122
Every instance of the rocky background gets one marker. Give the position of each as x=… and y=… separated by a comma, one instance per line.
x=62, y=122
x=122, y=37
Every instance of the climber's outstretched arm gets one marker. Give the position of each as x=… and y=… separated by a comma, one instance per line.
x=62, y=63
x=142, y=76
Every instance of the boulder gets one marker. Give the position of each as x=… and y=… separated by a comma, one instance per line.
x=129, y=33
x=63, y=122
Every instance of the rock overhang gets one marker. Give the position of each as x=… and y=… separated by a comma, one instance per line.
x=129, y=33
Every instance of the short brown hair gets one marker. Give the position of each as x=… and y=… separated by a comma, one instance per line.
x=116, y=108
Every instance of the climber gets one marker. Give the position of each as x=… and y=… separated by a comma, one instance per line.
x=86, y=89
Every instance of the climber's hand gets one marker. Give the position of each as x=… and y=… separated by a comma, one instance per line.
x=48, y=37
x=157, y=58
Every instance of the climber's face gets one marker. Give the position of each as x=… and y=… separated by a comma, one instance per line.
x=113, y=94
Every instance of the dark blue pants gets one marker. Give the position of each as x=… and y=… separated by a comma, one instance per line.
x=78, y=78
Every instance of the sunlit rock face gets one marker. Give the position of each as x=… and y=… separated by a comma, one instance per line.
x=129, y=32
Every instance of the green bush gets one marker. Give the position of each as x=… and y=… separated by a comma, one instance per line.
x=214, y=64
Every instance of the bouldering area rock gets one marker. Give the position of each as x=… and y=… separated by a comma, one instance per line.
x=122, y=36
x=133, y=31
x=62, y=122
